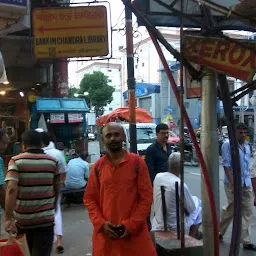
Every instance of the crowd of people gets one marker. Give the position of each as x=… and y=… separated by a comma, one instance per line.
x=122, y=189
x=32, y=198
x=123, y=194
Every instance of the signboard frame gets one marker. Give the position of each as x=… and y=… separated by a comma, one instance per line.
x=222, y=55
x=82, y=51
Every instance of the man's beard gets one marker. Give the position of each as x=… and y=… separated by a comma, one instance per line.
x=114, y=149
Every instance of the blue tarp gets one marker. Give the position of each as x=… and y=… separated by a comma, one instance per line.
x=47, y=105
x=144, y=89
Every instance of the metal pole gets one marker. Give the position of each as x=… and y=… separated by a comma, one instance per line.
x=213, y=212
x=237, y=216
x=209, y=148
x=131, y=80
x=182, y=110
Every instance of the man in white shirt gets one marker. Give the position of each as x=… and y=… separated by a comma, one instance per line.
x=193, y=209
x=49, y=148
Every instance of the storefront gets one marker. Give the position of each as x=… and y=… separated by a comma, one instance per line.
x=63, y=118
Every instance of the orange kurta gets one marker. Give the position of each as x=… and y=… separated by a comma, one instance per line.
x=120, y=196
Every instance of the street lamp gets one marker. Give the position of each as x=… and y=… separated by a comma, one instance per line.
x=84, y=94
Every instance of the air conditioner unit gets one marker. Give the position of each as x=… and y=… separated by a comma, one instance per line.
x=22, y=24
x=15, y=26
x=18, y=20
x=13, y=9
x=3, y=76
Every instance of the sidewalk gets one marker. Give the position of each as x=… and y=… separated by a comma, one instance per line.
x=77, y=234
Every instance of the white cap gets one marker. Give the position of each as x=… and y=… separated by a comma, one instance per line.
x=39, y=130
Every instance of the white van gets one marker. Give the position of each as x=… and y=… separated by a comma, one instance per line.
x=146, y=135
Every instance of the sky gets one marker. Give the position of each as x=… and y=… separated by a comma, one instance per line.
x=117, y=14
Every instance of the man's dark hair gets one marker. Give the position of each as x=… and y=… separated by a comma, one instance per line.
x=31, y=139
x=45, y=139
x=161, y=127
x=83, y=155
x=60, y=146
x=2, y=133
x=241, y=126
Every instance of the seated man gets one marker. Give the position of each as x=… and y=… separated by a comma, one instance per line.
x=193, y=209
x=76, y=177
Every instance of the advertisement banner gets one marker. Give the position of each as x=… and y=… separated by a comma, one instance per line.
x=193, y=87
x=57, y=118
x=75, y=118
x=230, y=58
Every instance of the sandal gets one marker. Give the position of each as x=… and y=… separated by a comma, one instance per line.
x=199, y=235
x=60, y=249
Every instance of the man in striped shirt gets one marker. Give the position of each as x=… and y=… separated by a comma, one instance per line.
x=31, y=196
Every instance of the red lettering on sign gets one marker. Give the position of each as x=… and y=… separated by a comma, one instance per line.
x=206, y=49
x=250, y=60
x=236, y=55
x=191, y=46
x=221, y=50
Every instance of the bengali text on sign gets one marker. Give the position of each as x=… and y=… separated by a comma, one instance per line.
x=70, y=32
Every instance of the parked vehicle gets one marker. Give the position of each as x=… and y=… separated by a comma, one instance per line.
x=91, y=137
x=146, y=135
x=173, y=138
x=189, y=152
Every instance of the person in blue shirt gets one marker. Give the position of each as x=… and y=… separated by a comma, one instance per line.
x=246, y=186
x=157, y=154
x=76, y=177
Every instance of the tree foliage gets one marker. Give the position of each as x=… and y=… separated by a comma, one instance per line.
x=99, y=92
x=72, y=91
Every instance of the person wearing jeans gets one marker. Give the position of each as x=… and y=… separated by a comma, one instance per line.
x=246, y=188
x=253, y=176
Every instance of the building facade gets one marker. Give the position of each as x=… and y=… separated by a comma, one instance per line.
x=112, y=71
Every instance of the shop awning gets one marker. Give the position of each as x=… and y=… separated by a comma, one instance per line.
x=51, y=105
x=142, y=116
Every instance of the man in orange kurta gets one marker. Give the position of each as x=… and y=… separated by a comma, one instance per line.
x=119, y=196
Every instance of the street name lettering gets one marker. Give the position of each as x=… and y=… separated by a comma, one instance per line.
x=221, y=55
x=71, y=40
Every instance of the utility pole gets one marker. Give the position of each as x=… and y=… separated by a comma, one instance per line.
x=130, y=77
x=209, y=148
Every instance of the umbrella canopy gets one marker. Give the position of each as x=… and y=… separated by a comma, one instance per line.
x=142, y=116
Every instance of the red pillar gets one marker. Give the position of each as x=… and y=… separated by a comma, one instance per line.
x=60, y=79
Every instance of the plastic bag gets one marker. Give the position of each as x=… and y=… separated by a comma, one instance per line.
x=14, y=246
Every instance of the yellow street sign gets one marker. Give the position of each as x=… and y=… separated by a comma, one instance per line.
x=68, y=32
